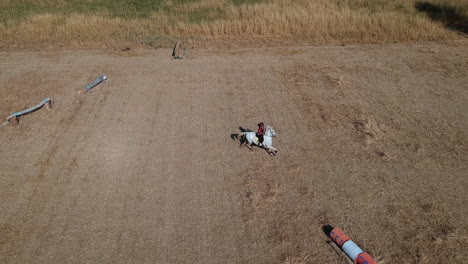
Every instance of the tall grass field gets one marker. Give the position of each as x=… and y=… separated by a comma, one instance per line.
x=94, y=23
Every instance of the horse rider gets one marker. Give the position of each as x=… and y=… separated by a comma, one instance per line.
x=260, y=133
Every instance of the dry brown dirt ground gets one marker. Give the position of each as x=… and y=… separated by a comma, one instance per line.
x=372, y=139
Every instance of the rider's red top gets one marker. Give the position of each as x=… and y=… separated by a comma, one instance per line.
x=261, y=131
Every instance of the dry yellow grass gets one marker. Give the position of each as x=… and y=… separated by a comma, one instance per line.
x=319, y=21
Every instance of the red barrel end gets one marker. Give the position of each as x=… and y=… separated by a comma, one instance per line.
x=364, y=258
x=339, y=236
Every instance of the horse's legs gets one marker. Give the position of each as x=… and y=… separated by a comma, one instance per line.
x=243, y=141
x=271, y=150
x=247, y=143
x=249, y=146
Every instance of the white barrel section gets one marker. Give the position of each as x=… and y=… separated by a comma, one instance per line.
x=351, y=249
x=95, y=82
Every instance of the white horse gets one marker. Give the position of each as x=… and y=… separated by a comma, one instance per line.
x=251, y=138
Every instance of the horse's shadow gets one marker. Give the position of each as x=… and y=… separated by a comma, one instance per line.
x=235, y=135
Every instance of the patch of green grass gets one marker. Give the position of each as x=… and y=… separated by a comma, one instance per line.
x=247, y=2
x=208, y=14
x=18, y=9
x=205, y=15
x=372, y=6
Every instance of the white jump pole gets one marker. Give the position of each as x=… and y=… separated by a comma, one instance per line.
x=16, y=115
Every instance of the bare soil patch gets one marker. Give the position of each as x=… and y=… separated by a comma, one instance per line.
x=371, y=139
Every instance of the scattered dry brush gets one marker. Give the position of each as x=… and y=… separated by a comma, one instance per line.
x=56, y=23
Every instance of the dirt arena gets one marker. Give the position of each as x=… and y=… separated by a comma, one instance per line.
x=144, y=169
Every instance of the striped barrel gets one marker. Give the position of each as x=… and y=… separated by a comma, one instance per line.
x=352, y=250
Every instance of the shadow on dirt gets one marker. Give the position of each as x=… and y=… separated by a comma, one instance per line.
x=235, y=135
x=244, y=129
x=450, y=16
